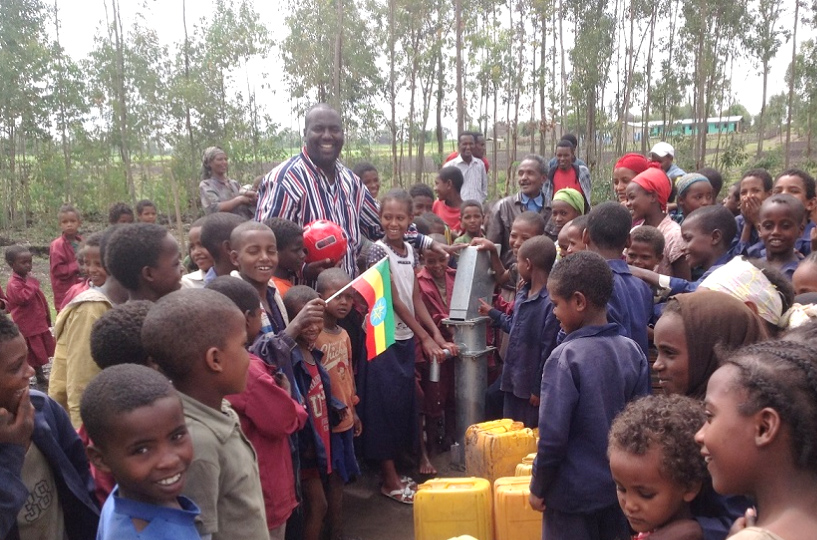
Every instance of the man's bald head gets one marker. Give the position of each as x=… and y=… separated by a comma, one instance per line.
x=323, y=135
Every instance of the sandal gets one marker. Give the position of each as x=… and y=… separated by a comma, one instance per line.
x=409, y=482
x=404, y=496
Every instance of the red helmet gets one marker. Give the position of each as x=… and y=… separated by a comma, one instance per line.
x=324, y=240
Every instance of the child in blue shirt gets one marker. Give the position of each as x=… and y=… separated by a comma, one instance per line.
x=587, y=380
x=780, y=225
x=630, y=304
x=135, y=421
x=532, y=329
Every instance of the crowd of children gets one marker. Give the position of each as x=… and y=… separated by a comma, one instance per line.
x=217, y=397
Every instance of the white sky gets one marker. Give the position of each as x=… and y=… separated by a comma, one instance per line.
x=82, y=19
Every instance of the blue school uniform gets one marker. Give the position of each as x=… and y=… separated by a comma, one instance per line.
x=678, y=285
x=532, y=329
x=588, y=379
x=116, y=520
x=631, y=305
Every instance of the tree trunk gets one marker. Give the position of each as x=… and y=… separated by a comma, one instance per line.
x=338, y=59
x=122, y=96
x=460, y=98
x=563, y=96
x=392, y=97
x=188, y=123
x=791, y=82
x=645, y=130
x=760, y=120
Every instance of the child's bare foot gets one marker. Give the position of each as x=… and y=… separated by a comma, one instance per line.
x=426, y=468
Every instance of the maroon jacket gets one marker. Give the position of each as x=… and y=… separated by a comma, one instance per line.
x=64, y=268
x=27, y=305
x=268, y=417
x=432, y=299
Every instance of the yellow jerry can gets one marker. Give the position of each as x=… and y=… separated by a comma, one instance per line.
x=451, y=507
x=493, y=449
x=514, y=519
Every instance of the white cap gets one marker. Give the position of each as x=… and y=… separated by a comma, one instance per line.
x=663, y=149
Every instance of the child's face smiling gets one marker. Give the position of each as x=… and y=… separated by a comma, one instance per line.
x=727, y=437
x=471, y=220
x=148, y=450
x=93, y=261
x=698, y=248
x=14, y=372
x=672, y=364
x=751, y=187
x=562, y=214
x=565, y=310
x=198, y=252
x=778, y=230
x=22, y=264
x=436, y=264
x=638, y=202
x=69, y=224
x=642, y=255
x=371, y=180
x=257, y=255
x=621, y=179
x=442, y=188
x=698, y=195
x=395, y=219
x=794, y=186
x=521, y=231
x=647, y=497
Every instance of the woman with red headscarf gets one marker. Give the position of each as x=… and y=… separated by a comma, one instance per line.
x=625, y=170
x=647, y=196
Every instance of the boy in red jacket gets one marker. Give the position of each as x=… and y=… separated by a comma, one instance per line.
x=63, y=254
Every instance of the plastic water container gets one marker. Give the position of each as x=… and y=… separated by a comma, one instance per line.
x=493, y=449
x=514, y=519
x=449, y=507
x=524, y=468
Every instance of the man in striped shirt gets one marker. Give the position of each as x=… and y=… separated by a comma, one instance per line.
x=316, y=185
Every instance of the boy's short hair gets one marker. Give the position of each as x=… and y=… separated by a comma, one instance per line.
x=650, y=236
x=92, y=240
x=330, y=277
x=579, y=222
x=471, y=203
x=144, y=203
x=422, y=226
x=668, y=423
x=66, y=208
x=242, y=294
x=534, y=219
x=796, y=208
x=566, y=143
x=763, y=174
x=236, y=236
x=183, y=325
x=433, y=220
x=8, y=330
x=117, y=210
x=421, y=190
x=453, y=175
x=296, y=298
x=286, y=231
x=216, y=229
x=198, y=223
x=540, y=251
x=715, y=179
x=808, y=181
x=608, y=225
x=362, y=168
x=585, y=272
x=104, y=240
x=12, y=252
x=116, y=337
x=117, y=390
x=711, y=218
x=132, y=247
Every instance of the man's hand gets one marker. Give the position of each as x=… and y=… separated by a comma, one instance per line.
x=18, y=428
x=312, y=313
x=537, y=503
x=312, y=269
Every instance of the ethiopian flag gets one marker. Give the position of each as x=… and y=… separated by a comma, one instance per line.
x=375, y=286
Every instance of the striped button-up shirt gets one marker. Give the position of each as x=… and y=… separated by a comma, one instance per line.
x=298, y=190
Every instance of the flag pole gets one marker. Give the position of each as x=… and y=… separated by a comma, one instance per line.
x=355, y=280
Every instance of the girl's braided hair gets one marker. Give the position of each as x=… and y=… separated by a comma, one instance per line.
x=782, y=375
